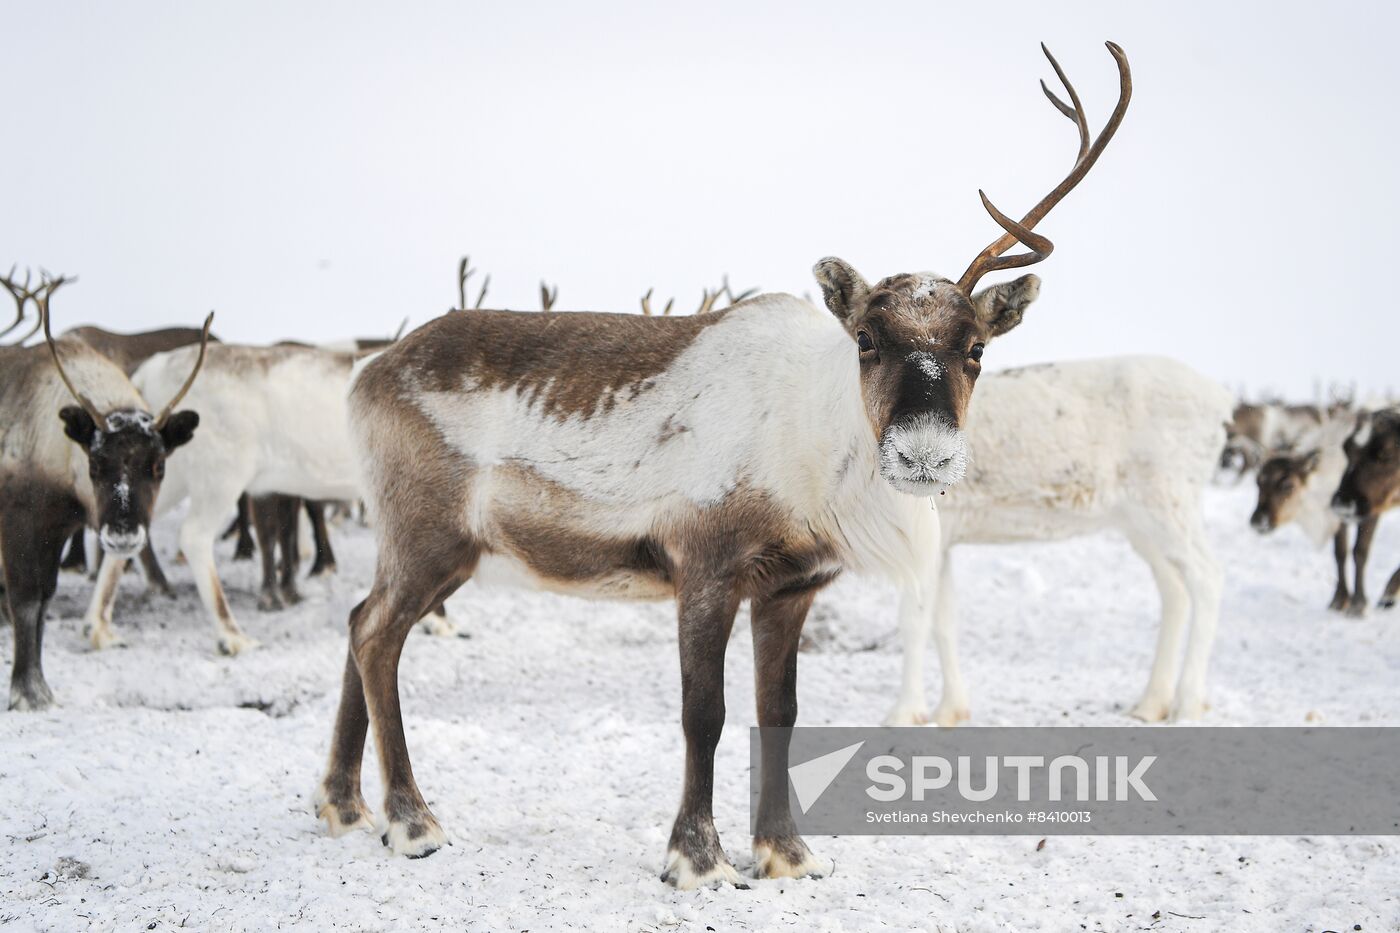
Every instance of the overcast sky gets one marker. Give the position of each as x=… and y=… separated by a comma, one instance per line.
x=315, y=170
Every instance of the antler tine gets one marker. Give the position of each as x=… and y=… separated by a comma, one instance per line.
x=41, y=299
x=735, y=299
x=403, y=325
x=646, y=302
x=991, y=259
x=1076, y=112
x=464, y=272
x=20, y=293
x=708, y=299
x=481, y=295
x=198, y=364
x=548, y=297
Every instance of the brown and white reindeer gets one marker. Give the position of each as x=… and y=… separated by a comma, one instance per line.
x=1296, y=487
x=1370, y=487
x=100, y=461
x=750, y=453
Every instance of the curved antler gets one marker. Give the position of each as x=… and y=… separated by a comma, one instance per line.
x=203, y=346
x=991, y=258
x=21, y=294
x=548, y=296
x=41, y=298
x=646, y=305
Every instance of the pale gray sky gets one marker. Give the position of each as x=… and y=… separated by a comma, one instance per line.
x=314, y=170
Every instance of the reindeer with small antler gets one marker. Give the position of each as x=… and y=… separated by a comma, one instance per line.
x=100, y=462
x=750, y=453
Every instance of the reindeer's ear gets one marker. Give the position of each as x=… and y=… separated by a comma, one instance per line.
x=78, y=425
x=179, y=429
x=842, y=287
x=1000, y=307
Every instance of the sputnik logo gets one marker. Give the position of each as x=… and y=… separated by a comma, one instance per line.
x=811, y=778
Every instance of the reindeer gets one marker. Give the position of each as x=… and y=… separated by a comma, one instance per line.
x=1298, y=487
x=281, y=411
x=1067, y=449
x=1369, y=488
x=128, y=351
x=748, y=453
x=47, y=490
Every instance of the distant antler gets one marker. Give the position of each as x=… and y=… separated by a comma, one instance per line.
x=464, y=272
x=646, y=305
x=21, y=295
x=403, y=325
x=735, y=299
x=708, y=299
x=41, y=299
x=198, y=364
x=991, y=258
x=548, y=296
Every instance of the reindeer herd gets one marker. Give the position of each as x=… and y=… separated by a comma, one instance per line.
x=750, y=452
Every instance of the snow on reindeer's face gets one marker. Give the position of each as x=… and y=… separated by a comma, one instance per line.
x=126, y=463
x=920, y=341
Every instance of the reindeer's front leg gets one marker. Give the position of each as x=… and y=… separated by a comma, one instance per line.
x=1339, y=550
x=779, y=851
x=97, y=626
x=197, y=534
x=1360, y=551
x=706, y=612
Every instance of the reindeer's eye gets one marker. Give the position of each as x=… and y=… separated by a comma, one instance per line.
x=864, y=342
x=975, y=354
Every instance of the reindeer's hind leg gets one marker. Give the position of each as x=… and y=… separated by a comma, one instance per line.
x=1204, y=582
x=75, y=561
x=325, y=557
x=266, y=516
x=1153, y=542
x=288, y=524
x=1360, y=553
x=1391, y=589
x=1339, y=550
x=405, y=586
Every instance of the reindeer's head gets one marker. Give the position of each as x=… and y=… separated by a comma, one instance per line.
x=126, y=448
x=1282, y=481
x=1371, y=483
x=920, y=338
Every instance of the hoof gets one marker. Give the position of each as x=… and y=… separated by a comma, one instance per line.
x=417, y=839
x=787, y=858
x=948, y=715
x=681, y=874
x=1190, y=708
x=1356, y=610
x=31, y=695
x=322, y=570
x=1151, y=709
x=101, y=637
x=908, y=716
x=269, y=601
x=290, y=597
x=342, y=817
x=1387, y=602
x=234, y=645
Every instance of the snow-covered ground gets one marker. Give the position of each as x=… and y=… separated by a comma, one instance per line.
x=171, y=788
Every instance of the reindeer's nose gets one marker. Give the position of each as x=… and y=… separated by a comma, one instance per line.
x=122, y=543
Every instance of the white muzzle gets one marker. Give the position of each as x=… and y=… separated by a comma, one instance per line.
x=923, y=456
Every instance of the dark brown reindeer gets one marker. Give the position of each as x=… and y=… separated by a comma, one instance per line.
x=47, y=490
x=1370, y=487
x=128, y=351
x=751, y=453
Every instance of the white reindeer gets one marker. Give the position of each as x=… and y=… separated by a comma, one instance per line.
x=281, y=420
x=1066, y=449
